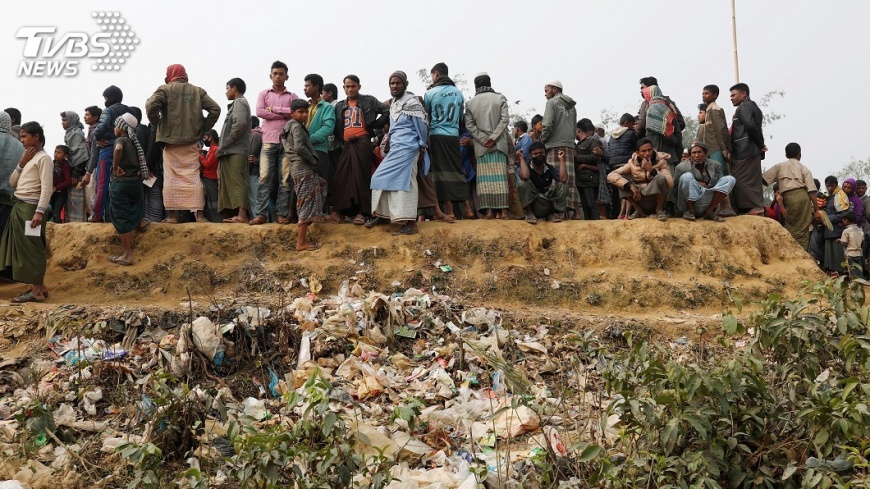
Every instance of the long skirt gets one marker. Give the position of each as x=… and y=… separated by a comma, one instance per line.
x=233, y=189
x=446, y=170
x=310, y=193
x=353, y=178
x=128, y=205
x=749, y=191
x=182, y=187
x=396, y=205
x=799, y=215
x=101, y=184
x=573, y=199
x=835, y=256
x=22, y=258
x=492, y=184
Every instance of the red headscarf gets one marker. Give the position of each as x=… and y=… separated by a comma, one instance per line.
x=175, y=72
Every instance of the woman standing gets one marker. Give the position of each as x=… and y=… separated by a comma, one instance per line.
x=22, y=257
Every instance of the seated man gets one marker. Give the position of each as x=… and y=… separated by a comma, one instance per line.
x=701, y=185
x=542, y=191
x=644, y=181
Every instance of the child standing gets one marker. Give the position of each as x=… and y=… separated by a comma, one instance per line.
x=61, y=182
x=309, y=185
x=852, y=239
x=126, y=192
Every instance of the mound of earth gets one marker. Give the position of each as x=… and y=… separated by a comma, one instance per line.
x=640, y=267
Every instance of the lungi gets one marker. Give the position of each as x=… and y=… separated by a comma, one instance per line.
x=446, y=169
x=234, y=186
x=310, y=193
x=101, y=183
x=182, y=187
x=353, y=178
x=799, y=215
x=835, y=256
x=397, y=205
x=154, y=211
x=22, y=258
x=210, y=211
x=573, y=197
x=749, y=191
x=492, y=184
x=128, y=205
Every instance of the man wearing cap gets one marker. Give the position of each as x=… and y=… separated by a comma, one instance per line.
x=394, y=183
x=560, y=122
x=798, y=193
x=176, y=108
x=701, y=185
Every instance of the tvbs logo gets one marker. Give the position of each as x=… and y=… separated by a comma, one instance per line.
x=48, y=53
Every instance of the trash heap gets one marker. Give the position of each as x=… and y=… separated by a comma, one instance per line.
x=455, y=397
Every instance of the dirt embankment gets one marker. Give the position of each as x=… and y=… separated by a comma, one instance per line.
x=636, y=268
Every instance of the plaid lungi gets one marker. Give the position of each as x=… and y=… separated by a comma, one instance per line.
x=182, y=187
x=492, y=184
x=310, y=193
x=573, y=200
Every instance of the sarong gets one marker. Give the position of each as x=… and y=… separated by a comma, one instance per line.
x=749, y=191
x=799, y=215
x=446, y=169
x=22, y=258
x=154, y=200
x=102, y=175
x=396, y=205
x=310, y=193
x=492, y=184
x=182, y=187
x=353, y=178
x=426, y=196
x=835, y=256
x=128, y=205
x=573, y=198
x=76, y=208
x=234, y=186
x=210, y=211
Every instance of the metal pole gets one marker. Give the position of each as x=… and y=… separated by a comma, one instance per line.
x=734, y=33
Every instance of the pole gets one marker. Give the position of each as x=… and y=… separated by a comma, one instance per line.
x=734, y=34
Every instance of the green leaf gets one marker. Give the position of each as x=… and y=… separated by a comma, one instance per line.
x=851, y=383
x=789, y=471
x=729, y=322
x=821, y=437
x=669, y=435
x=589, y=453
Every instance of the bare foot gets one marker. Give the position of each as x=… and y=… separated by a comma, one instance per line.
x=307, y=247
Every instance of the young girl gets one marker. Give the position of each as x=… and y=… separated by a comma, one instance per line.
x=126, y=193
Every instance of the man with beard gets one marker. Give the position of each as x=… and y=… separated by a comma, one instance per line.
x=560, y=125
x=445, y=105
x=357, y=117
x=176, y=108
x=394, y=183
x=702, y=187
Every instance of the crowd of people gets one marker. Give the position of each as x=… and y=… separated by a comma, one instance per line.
x=409, y=159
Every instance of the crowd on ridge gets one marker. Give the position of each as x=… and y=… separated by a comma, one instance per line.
x=322, y=159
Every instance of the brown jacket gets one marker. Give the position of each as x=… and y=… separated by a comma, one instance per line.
x=634, y=172
x=176, y=109
x=714, y=133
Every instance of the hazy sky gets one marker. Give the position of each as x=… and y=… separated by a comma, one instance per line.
x=815, y=53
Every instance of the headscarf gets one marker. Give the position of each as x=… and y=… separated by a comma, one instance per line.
x=72, y=121
x=113, y=95
x=127, y=123
x=857, y=203
x=175, y=72
x=661, y=114
x=408, y=103
x=5, y=123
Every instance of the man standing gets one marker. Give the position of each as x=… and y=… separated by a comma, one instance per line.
x=357, y=117
x=747, y=145
x=254, y=151
x=560, y=123
x=321, y=125
x=486, y=118
x=15, y=115
x=713, y=130
x=445, y=105
x=273, y=106
x=702, y=186
x=798, y=192
x=394, y=183
x=102, y=158
x=235, y=142
x=590, y=163
x=176, y=108
x=861, y=191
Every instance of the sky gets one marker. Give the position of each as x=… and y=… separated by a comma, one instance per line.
x=598, y=50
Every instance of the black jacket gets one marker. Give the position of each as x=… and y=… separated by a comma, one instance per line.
x=583, y=155
x=747, y=138
x=620, y=148
x=375, y=113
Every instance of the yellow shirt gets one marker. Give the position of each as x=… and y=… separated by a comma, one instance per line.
x=790, y=175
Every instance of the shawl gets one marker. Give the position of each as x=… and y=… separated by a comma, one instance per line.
x=175, y=72
x=73, y=121
x=5, y=123
x=841, y=200
x=661, y=115
x=857, y=203
x=407, y=104
x=130, y=129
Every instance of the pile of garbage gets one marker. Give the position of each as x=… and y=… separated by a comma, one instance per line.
x=454, y=395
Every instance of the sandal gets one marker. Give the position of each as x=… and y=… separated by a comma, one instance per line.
x=374, y=221
x=661, y=216
x=283, y=220
x=405, y=231
x=142, y=228
x=168, y=221
x=118, y=261
x=359, y=220
x=26, y=297
x=257, y=221
x=531, y=219
x=234, y=220
x=715, y=218
x=689, y=216
x=557, y=217
x=634, y=216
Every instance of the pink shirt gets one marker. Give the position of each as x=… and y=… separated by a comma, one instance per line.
x=274, y=121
